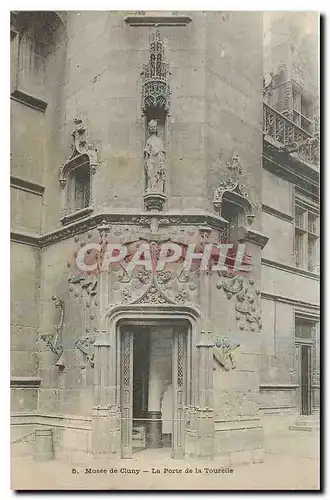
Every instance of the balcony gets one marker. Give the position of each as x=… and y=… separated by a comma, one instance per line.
x=288, y=137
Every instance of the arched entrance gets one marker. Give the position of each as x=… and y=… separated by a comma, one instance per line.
x=155, y=365
x=113, y=409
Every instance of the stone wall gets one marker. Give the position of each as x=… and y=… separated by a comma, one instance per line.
x=25, y=284
x=233, y=97
x=292, y=38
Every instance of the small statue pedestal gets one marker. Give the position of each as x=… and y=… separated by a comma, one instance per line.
x=154, y=202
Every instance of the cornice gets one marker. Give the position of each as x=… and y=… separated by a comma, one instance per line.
x=277, y=213
x=290, y=157
x=307, y=182
x=278, y=387
x=80, y=214
x=200, y=219
x=29, y=100
x=291, y=301
x=24, y=185
x=25, y=238
x=303, y=314
x=25, y=382
x=142, y=20
x=290, y=269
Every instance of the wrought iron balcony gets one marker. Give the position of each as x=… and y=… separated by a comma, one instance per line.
x=289, y=137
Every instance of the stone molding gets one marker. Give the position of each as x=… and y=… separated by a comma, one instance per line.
x=29, y=100
x=142, y=20
x=277, y=213
x=311, y=316
x=290, y=269
x=56, y=419
x=25, y=382
x=78, y=214
x=138, y=218
x=295, y=173
x=244, y=234
x=25, y=185
x=289, y=300
x=278, y=387
x=32, y=240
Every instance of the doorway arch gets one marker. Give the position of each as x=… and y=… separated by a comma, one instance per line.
x=107, y=377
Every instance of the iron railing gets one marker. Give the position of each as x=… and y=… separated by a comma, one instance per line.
x=289, y=136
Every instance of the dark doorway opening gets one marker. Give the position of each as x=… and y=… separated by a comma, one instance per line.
x=140, y=387
x=306, y=400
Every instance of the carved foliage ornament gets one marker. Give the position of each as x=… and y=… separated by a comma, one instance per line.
x=234, y=184
x=155, y=73
x=79, y=147
x=53, y=340
x=85, y=345
x=247, y=306
x=223, y=352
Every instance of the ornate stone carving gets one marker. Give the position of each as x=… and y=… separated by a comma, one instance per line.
x=234, y=184
x=84, y=288
x=53, y=340
x=247, y=306
x=153, y=296
x=156, y=90
x=85, y=345
x=289, y=137
x=151, y=287
x=116, y=219
x=223, y=352
x=79, y=147
x=155, y=170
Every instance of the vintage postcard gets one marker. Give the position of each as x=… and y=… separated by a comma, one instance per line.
x=165, y=250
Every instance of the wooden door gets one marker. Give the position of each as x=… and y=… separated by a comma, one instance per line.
x=179, y=383
x=126, y=393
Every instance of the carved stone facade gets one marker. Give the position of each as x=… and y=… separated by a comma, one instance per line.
x=176, y=175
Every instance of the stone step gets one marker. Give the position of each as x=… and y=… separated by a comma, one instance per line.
x=306, y=423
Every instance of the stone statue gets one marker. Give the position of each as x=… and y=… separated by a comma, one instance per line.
x=155, y=159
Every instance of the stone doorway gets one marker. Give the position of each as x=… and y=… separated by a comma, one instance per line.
x=154, y=386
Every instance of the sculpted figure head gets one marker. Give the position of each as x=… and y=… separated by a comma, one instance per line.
x=152, y=126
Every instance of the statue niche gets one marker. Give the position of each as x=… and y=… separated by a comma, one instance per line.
x=156, y=95
x=155, y=160
x=155, y=169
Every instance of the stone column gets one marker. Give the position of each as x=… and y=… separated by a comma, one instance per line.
x=106, y=412
x=204, y=413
